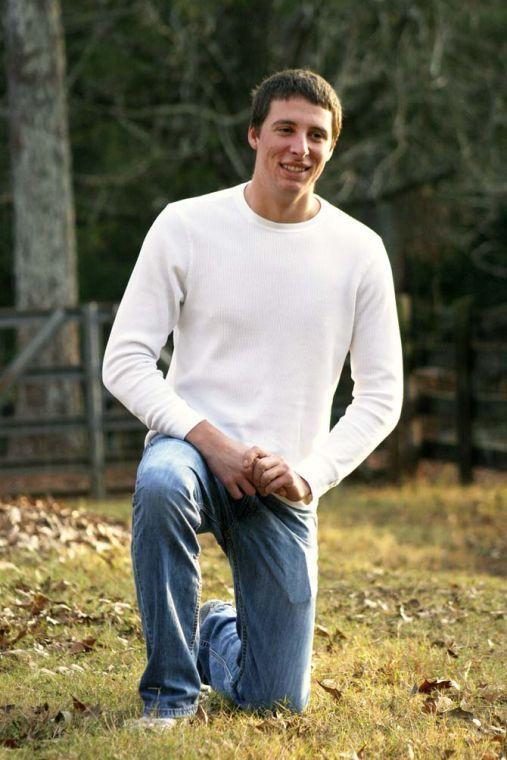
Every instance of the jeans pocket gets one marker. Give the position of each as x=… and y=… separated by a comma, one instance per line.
x=302, y=575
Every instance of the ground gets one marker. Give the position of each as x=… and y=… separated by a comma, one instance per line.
x=409, y=652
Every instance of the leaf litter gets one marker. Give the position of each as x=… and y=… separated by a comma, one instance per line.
x=39, y=615
x=43, y=610
x=40, y=526
x=41, y=722
x=45, y=525
x=443, y=706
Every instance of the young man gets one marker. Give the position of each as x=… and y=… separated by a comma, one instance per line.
x=266, y=288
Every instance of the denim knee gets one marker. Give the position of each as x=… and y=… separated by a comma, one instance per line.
x=295, y=703
x=167, y=494
x=292, y=691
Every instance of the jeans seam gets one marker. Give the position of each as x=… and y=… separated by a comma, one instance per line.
x=169, y=712
x=140, y=585
x=217, y=657
x=198, y=602
x=241, y=610
x=208, y=514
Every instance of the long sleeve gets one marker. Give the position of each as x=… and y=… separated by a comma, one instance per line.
x=148, y=312
x=377, y=372
x=263, y=315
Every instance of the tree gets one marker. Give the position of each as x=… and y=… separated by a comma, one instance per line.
x=159, y=99
x=44, y=230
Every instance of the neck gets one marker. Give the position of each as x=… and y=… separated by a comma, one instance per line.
x=279, y=209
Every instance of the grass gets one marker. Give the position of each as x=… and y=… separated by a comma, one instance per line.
x=411, y=588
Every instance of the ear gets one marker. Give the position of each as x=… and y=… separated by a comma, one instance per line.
x=331, y=151
x=253, y=140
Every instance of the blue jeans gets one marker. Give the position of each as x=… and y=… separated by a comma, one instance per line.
x=257, y=653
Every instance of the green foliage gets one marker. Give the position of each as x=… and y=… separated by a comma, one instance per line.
x=159, y=107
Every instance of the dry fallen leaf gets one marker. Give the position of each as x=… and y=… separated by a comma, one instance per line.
x=39, y=602
x=43, y=525
x=63, y=716
x=80, y=707
x=426, y=687
x=320, y=630
x=462, y=714
x=354, y=755
x=439, y=704
x=272, y=723
x=329, y=685
x=86, y=645
x=324, y=632
x=447, y=645
x=6, y=643
x=494, y=696
x=10, y=743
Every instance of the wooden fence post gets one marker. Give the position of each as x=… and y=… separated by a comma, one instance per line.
x=463, y=358
x=94, y=414
x=13, y=372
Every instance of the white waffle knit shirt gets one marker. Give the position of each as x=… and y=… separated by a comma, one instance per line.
x=263, y=315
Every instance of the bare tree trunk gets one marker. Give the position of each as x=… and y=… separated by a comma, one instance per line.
x=44, y=228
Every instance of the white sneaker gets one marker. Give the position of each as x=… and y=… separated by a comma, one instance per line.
x=146, y=723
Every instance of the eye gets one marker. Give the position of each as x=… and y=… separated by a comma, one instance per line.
x=285, y=129
x=318, y=136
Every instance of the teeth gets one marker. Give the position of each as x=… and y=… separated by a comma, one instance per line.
x=295, y=169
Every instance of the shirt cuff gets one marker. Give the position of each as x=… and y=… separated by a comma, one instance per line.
x=312, y=470
x=187, y=421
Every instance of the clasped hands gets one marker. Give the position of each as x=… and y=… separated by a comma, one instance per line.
x=247, y=470
x=270, y=473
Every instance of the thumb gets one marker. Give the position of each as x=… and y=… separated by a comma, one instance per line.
x=255, y=452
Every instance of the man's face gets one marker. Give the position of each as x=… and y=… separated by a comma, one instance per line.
x=293, y=146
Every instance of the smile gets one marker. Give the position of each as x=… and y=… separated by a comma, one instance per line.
x=294, y=169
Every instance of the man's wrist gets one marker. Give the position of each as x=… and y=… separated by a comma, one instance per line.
x=204, y=436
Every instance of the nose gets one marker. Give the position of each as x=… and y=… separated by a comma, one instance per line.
x=299, y=145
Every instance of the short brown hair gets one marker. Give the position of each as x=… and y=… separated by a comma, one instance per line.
x=294, y=83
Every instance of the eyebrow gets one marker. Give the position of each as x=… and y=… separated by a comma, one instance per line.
x=293, y=124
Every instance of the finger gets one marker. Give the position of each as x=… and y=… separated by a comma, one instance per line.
x=270, y=475
x=273, y=472
x=283, y=480
x=247, y=487
x=262, y=465
x=252, y=454
x=234, y=491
